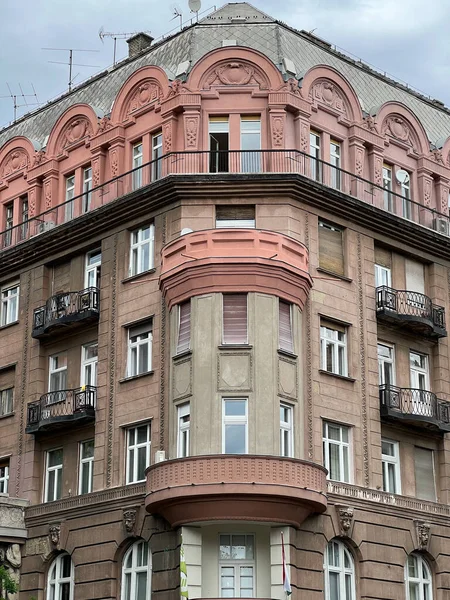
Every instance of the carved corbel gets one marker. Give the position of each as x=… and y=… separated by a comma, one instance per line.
x=129, y=520
x=345, y=517
x=422, y=535
x=54, y=532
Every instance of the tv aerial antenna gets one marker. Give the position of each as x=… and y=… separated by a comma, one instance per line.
x=71, y=64
x=195, y=6
x=177, y=14
x=116, y=36
x=20, y=100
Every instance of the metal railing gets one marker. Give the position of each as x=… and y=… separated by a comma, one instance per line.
x=411, y=304
x=216, y=163
x=414, y=402
x=64, y=304
x=63, y=403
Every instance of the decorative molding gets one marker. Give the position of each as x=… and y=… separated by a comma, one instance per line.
x=308, y=362
x=359, y=160
x=235, y=73
x=422, y=535
x=438, y=156
x=23, y=380
x=15, y=161
x=378, y=170
x=444, y=199
x=162, y=356
x=96, y=171
x=345, y=517
x=54, y=533
x=304, y=136
x=370, y=123
x=281, y=391
x=114, y=161
x=32, y=202
x=48, y=193
x=191, y=127
x=75, y=131
x=112, y=364
x=427, y=191
x=327, y=93
x=277, y=126
x=129, y=520
x=176, y=393
x=167, y=137
x=104, y=124
x=147, y=93
x=38, y=158
x=397, y=128
x=223, y=385
x=362, y=352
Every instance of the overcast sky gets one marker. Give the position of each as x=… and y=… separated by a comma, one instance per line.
x=406, y=38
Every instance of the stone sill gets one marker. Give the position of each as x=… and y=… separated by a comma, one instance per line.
x=138, y=276
x=133, y=377
x=235, y=347
x=2, y=327
x=334, y=275
x=344, y=377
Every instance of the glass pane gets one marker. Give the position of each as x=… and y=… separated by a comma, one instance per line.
x=131, y=476
x=329, y=357
x=64, y=591
x=346, y=463
x=235, y=439
x=127, y=594
x=412, y=566
x=55, y=457
x=141, y=586
x=58, y=484
x=51, y=486
x=235, y=408
x=238, y=549
x=341, y=355
x=142, y=434
x=334, y=432
x=414, y=591
x=85, y=478
x=66, y=562
x=143, y=358
x=335, y=471
x=344, y=433
x=387, y=448
x=333, y=580
x=142, y=462
x=249, y=554
x=88, y=449
x=391, y=478
x=225, y=549
x=348, y=588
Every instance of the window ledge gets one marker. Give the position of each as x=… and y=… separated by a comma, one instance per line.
x=334, y=275
x=125, y=379
x=287, y=353
x=235, y=347
x=344, y=377
x=11, y=414
x=9, y=325
x=182, y=354
x=138, y=275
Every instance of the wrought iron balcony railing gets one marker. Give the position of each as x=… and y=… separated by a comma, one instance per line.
x=418, y=407
x=66, y=308
x=64, y=406
x=216, y=163
x=402, y=307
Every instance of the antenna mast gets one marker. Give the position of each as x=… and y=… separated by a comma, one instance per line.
x=15, y=97
x=176, y=11
x=71, y=64
x=116, y=36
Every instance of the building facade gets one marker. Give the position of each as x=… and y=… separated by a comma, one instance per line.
x=225, y=282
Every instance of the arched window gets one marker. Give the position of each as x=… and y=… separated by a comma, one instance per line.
x=419, y=585
x=60, y=579
x=339, y=572
x=137, y=572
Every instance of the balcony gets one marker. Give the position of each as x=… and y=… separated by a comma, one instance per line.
x=419, y=408
x=63, y=408
x=235, y=260
x=410, y=310
x=227, y=487
x=66, y=310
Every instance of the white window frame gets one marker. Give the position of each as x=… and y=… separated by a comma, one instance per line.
x=143, y=338
x=157, y=153
x=251, y=132
x=24, y=205
x=7, y=401
x=342, y=571
x=382, y=360
x=387, y=187
x=234, y=420
x=183, y=429
x=421, y=581
x=405, y=191
x=88, y=363
x=236, y=565
x=137, y=154
x=58, y=469
x=93, y=268
x=4, y=476
x=330, y=337
x=10, y=304
x=383, y=273
x=315, y=155
x=137, y=243
x=394, y=460
x=87, y=187
x=70, y=195
x=56, y=371
x=55, y=580
x=417, y=372
x=335, y=161
x=344, y=448
x=133, y=449
x=85, y=463
x=134, y=570
x=287, y=430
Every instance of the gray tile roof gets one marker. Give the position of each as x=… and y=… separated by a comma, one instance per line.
x=249, y=27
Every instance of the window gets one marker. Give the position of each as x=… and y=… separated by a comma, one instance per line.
x=87, y=187
x=235, y=426
x=419, y=584
x=137, y=572
x=138, y=452
x=335, y=160
x=336, y=451
x=93, y=269
x=314, y=152
x=391, y=466
x=53, y=475
x=9, y=223
x=405, y=190
x=331, y=248
x=285, y=337
x=218, y=144
x=70, y=194
x=6, y=401
x=89, y=360
x=382, y=276
x=386, y=364
x=235, y=319
x=250, y=144
x=286, y=430
x=10, y=305
x=157, y=152
x=230, y=216
x=183, y=434
x=387, y=185
x=184, y=327
x=424, y=474
x=137, y=164
x=419, y=371
x=339, y=572
x=139, y=349
x=237, y=565
x=25, y=213
x=142, y=250
x=86, y=471
x=60, y=582
x=333, y=348
x=4, y=476
x=57, y=379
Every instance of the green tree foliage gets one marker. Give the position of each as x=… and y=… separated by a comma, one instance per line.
x=7, y=584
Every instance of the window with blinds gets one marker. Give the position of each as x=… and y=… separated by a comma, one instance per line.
x=235, y=216
x=235, y=319
x=424, y=474
x=331, y=248
x=285, y=337
x=184, y=327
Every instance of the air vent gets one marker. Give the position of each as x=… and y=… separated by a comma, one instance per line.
x=229, y=43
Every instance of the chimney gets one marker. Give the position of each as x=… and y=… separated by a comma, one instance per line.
x=137, y=43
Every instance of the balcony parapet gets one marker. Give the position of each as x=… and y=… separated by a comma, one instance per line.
x=65, y=407
x=66, y=310
x=416, y=311
x=226, y=487
x=415, y=407
x=235, y=260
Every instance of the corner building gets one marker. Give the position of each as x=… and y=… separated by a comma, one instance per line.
x=224, y=280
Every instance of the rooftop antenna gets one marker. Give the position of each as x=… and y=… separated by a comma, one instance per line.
x=195, y=6
x=71, y=63
x=177, y=14
x=116, y=36
x=16, y=98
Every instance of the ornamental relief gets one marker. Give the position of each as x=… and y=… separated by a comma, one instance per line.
x=15, y=161
x=326, y=92
x=146, y=93
x=76, y=130
x=235, y=73
x=396, y=127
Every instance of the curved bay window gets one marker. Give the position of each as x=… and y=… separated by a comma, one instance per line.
x=60, y=582
x=137, y=572
x=339, y=572
x=418, y=579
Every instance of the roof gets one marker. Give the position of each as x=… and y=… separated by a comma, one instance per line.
x=250, y=27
